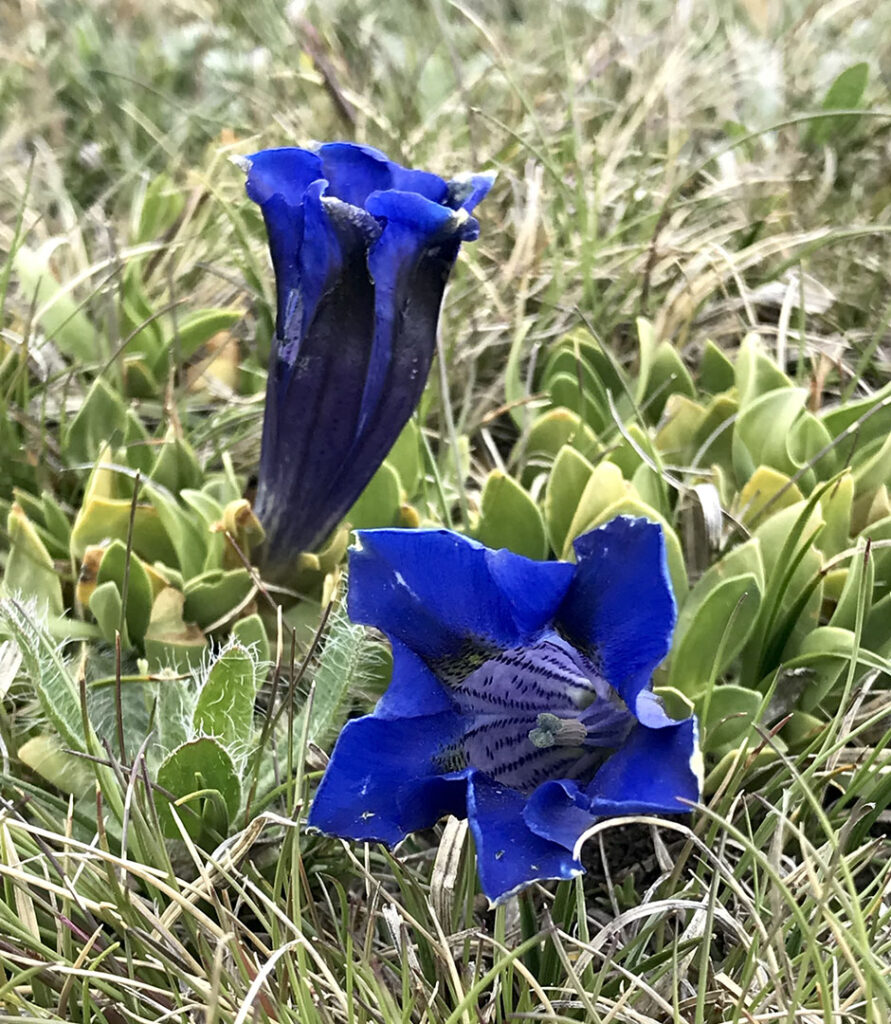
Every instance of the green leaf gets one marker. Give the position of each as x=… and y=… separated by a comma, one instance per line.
x=176, y=466
x=184, y=533
x=875, y=411
x=570, y=392
x=101, y=518
x=56, y=521
x=378, y=504
x=139, y=381
x=251, y=633
x=845, y=614
x=566, y=484
x=30, y=571
x=550, y=433
x=802, y=729
x=762, y=432
x=874, y=471
x=832, y=649
x=46, y=755
x=646, y=343
x=682, y=419
x=791, y=565
x=138, y=322
x=845, y=93
x=105, y=604
x=100, y=417
x=225, y=707
x=113, y=567
x=836, y=506
x=48, y=673
x=627, y=451
x=716, y=372
x=731, y=712
x=718, y=617
x=509, y=518
x=192, y=774
x=756, y=372
x=350, y=663
x=807, y=440
x=194, y=330
x=157, y=209
x=405, y=457
x=766, y=489
x=56, y=310
x=170, y=641
x=215, y=594
x=714, y=438
x=667, y=376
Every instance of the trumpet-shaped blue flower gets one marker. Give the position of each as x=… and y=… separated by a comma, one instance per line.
x=520, y=698
x=362, y=249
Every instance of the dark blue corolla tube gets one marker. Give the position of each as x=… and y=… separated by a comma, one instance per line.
x=362, y=250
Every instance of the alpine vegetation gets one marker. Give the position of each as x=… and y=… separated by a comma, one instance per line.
x=362, y=249
x=520, y=699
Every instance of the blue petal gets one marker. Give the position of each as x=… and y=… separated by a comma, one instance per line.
x=409, y=279
x=620, y=608
x=509, y=855
x=560, y=812
x=385, y=779
x=316, y=379
x=651, y=773
x=285, y=172
x=277, y=180
x=414, y=690
x=439, y=592
x=354, y=172
x=409, y=265
x=466, y=192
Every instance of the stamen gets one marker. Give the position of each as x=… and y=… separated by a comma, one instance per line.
x=552, y=731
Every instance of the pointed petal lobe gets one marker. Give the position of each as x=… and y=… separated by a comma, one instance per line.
x=384, y=779
x=439, y=593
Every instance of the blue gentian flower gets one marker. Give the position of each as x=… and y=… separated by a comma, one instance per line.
x=521, y=698
x=362, y=249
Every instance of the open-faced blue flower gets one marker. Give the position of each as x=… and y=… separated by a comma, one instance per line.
x=521, y=698
x=362, y=249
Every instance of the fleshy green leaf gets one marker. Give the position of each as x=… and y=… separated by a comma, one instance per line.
x=723, y=620
x=405, y=458
x=195, y=329
x=105, y=604
x=766, y=490
x=509, y=518
x=251, y=633
x=731, y=712
x=225, y=707
x=378, y=504
x=845, y=93
x=56, y=310
x=192, y=774
x=214, y=594
x=550, y=433
x=756, y=372
x=715, y=370
x=30, y=571
x=139, y=588
x=566, y=484
x=101, y=415
x=170, y=641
